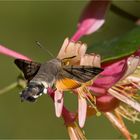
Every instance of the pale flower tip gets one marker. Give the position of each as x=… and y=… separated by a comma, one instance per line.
x=83, y=49
x=96, y=26
x=82, y=111
x=91, y=60
x=97, y=61
x=58, y=101
x=61, y=53
x=132, y=63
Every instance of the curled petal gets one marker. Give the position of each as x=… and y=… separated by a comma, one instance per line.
x=132, y=63
x=91, y=60
x=82, y=110
x=58, y=101
x=70, y=49
x=97, y=60
x=92, y=18
x=63, y=49
x=11, y=53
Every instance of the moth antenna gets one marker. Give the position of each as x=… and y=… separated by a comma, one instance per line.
x=46, y=50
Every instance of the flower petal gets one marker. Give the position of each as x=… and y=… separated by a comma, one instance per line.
x=70, y=49
x=11, y=53
x=111, y=75
x=58, y=101
x=82, y=110
x=75, y=132
x=69, y=117
x=91, y=60
x=106, y=103
x=127, y=100
x=132, y=63
x=115, y=121
x=91, y=19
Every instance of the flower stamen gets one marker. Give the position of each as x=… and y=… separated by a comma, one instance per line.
x=128, y=113
x=90, y=98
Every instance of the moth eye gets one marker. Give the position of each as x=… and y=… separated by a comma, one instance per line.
x=66, y=63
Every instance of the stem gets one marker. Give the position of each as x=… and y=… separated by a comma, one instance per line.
x=8, y=88
x=116, y=122
x=123, y=13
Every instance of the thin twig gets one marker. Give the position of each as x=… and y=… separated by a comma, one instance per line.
x=8, y=88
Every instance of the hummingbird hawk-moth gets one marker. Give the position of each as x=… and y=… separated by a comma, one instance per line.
x=41, y=76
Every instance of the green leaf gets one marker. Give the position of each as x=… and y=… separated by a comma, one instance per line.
x=118, y=47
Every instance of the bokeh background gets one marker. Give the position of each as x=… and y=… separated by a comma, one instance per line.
x=50, y=22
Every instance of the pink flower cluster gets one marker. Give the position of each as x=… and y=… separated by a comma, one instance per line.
x=109, y=86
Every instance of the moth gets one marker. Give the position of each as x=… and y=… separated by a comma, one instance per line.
x=53, y=72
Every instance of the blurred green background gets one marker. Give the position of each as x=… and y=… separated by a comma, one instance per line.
x=50, y=22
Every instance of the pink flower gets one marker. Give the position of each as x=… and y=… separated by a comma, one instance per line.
x=11, y=53
x=113, y=92
x=92, y=18
x=116, y=92
x=68, y=117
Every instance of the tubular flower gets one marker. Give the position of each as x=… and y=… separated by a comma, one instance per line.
x=113, y=92
x=92, y=18
x=116, y=91
x=68, y=117
x=77, y=49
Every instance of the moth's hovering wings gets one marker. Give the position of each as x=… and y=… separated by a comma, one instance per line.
x=29, y=68
x=81, y=73
x=71, y=77
x=66, y=84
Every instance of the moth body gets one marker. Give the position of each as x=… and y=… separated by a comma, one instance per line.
x=32, y=91
x=48, y=72
x=42, y=76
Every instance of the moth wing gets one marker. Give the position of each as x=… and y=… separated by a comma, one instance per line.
x=71, y=77
x=81, y=73
x=66, y=84
x=28, y=68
